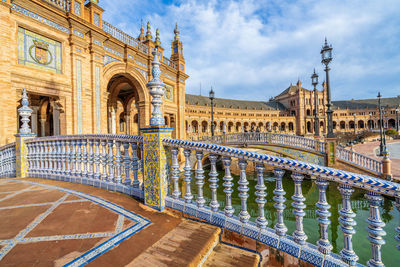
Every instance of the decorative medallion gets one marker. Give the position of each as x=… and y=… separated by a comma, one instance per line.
x=42, y=55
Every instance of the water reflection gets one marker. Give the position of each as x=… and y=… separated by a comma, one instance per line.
x=360, y=206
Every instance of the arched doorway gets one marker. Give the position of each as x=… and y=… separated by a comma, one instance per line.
x=125, y=105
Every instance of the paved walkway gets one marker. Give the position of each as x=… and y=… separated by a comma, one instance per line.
x=43, y=224
x=369, y=150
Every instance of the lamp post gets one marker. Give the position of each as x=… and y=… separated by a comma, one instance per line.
x=212, y=96
x=314, y=81
x=326, y=58
x=397, y=119
x=354, y=114
x=381, y=143
x=370, y=122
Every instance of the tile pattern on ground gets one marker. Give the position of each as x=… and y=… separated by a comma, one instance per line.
x=120, y=233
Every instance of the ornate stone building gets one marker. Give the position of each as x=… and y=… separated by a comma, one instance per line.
x=84, y=75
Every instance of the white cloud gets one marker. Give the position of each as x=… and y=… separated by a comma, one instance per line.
x=253, y=49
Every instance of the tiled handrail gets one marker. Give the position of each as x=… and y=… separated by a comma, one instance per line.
x=271, y=138
x=359, y=160
x=124, y=37
x=8, y=160
x=106, y=161
x=276, y=237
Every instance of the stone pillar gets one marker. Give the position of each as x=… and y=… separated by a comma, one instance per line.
x=386, y=166
x=330, y=151
x=56, y=119
x=24, y=133
x=155, y=155
x=34, y=121
x=42, y=127
x=128, y=123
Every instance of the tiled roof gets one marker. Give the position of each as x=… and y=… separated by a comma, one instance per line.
x=367, y=103
x=232, y=103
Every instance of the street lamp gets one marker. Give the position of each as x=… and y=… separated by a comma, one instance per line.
x=326, y=58
x=314, y=81
x=212, y=96
x=382, y=144
x=354, y=114
x=397, y=119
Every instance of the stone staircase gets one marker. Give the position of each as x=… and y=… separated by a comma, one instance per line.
x=194, y=244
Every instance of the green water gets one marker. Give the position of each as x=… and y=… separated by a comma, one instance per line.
x=389, y=214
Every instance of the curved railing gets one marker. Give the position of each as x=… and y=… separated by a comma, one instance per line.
x=359, y=160
x=106, y=161
x=270, y=138
x=124, y=37
x=8, y=160
x=277, y=237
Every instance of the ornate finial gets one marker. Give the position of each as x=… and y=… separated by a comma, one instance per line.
x=141, y=36
x=25, y=112
x=176, y=32
x=149, y=37
x=158, y=41
x=156, y=88
x=326, y=41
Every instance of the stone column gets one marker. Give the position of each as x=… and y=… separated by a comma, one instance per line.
x=34, y=121
x=56, y=118
x=155, y=155
x=128, y=123
x=42, y=127
x=386, y=166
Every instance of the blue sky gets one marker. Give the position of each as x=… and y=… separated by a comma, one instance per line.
x=254, y=49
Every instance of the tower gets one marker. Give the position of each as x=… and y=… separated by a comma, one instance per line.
x=177, y=51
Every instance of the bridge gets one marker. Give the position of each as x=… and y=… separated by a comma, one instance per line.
x=305, y=149
x=147, y=168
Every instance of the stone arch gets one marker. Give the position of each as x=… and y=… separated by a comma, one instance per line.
x=127, y=83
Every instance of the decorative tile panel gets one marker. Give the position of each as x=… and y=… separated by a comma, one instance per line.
x=79, y=94
x=143, y=72
x=35, y=50
x=107, y=59
x=108, y=49
x=77, y=8
x=95, y=41
x=169, y=76
x=78, y=33
x=141, y=63
x=169, y=93
x=98, y=99
x=96, y=19
x=39, y=18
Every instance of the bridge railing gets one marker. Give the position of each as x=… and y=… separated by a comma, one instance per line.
x=8, y=160
x=359, y=160
x=276, y=236
x=106, y=161
x=124, y=37
x=270, y=138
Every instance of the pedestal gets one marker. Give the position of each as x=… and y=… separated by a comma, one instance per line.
x=155, y=166
x=21, y=152
x=330, y=151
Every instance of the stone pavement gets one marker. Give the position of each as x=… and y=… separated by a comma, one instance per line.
x=43, y=224
x=368, y=149
x=52, y=223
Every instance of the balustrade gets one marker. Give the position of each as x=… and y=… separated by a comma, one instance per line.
x=8, y=160
x=89, y=159
x=114, y=162
x=253, y=225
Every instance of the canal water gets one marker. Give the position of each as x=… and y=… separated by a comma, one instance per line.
x=389, y=214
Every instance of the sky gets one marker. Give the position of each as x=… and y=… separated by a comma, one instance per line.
x=254, y=49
